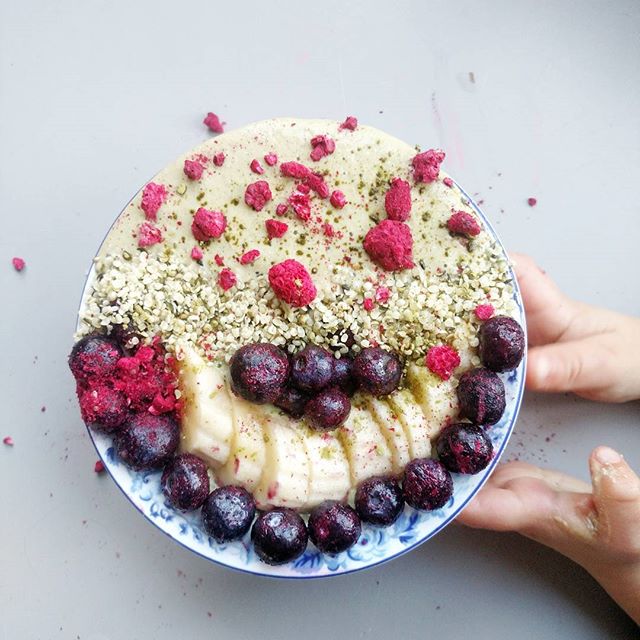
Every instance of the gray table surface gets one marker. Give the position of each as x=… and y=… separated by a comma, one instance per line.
x=527, y=98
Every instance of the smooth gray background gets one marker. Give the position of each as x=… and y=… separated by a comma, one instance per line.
x=96, y=96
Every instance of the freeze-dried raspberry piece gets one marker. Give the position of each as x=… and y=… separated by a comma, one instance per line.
x=256, y=167
x=275, y=228
x=219, y=260
x=8, y=440
x=532, y=202
x=368, y=304
x=227, y=279
x=316, y=183
x=213, y=122
x=337, y=199
x=390, y=245
x=350, y=123
x=328, y=230
x=153, y=197
x=250, y=256
x=397, y=201
x=448, y=181
x=271, y=159
x=196, y=254
x=322, y=146
x=294, y=170
x=382, y=294
x=98, y=467
x=193, y=169
x=292, y=283
x=442, y=360
x=281, y=209
x=208, y=224
x=218, y=159
x=148, y=235
x=257, y=195
x=463, y=224
x=484, y=311
x=18, y=264
x=301, y=204
x=426, y=165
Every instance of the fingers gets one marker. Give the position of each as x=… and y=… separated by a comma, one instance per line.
x=554, y=479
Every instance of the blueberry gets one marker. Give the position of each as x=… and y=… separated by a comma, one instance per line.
x=312, y=368
x=102, y=407
x=464, y=448
x=343, y=375
x=292, y=401
x=279, y=536
x=227, y=513
x=334, y=527
x=501, y=343
x=377, y=371
x=427, y=484
x=379, y=500
x=146, y=441
x=481, y=396
x=328, y=409
x=185, y=482
x=259, y=372
x=94, y=355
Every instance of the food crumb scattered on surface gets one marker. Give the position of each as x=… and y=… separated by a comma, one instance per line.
x=532, y=202
x=18, y=264
x=8, y=440
x=99, y=466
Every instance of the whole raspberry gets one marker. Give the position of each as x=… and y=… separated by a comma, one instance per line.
x=442, y=360
x=275, y=228
x=390, y=245
x=292, y=283
x=193, y=169
x=397, y=201
x=462, y=223
x=208, y=224
x=257, y=195
x=426, y=165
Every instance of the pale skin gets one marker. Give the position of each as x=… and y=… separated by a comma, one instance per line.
x=594, y=353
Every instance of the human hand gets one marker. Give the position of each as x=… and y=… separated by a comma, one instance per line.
x=575, y=346
x=597, y=526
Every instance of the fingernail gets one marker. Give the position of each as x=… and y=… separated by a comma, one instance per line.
x=606, y=455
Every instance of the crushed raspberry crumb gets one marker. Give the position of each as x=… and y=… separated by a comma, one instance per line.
x=218, y=159
x=8, y=440
x=98, y=467
x=18, y=264
x=294, y=170
x=317, y=184
x=281, y=209
x=337, y=199
x=328, y=230
x=196, y=254
x=271, y=159
x=390, y=245
x=213, y=122
x=397, y=201
x=442, y=360
x=148, y=235
x=368, y=304
x=219, y=260
x=153, y=197
x=249, y=257
x=463, y=223
x=227, y=279
x=382, y=294
x=322, y=146
x=301, y=204
x=256, y=167
x=193, y=169
x=292, y=283
x=448, y=182
x=257, y=195
x=350, y=123
x=275, y=228
x=208, y=224
x=426, y=165
x=484, y=311
x=532, y=202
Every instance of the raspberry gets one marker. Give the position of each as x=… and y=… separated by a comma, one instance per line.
x=390, y=245
x=196, y=254
x=153, y=197
x=148, y=235
x=382, y=294
x=218, y=159
x=213, y=122
x=368, y=304
x=442, y=360
x=257, y=195
x=219, y=260
x=18, y=264
x=448, y=182
x=301, y=205
x=275, y=228
x=193, y=169
x=256, y=167
x=316, y=182
x=328, y=230
x=322, y=146
x=294, y=170
x=484, y=311
x=8, y=441
x=227, y=279
x=532, y=202
x=208, y=224
x=292, y=283
x=271, y=159
x=337, y=199
x=282, y=209
x=350, y=123
x=426, y=166
x=249, y=257
x=463, y=224
x=397, y=201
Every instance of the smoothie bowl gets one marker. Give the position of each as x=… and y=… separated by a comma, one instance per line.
x=300, y=349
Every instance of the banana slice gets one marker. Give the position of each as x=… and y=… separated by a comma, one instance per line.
x=413, y=421
x=247, y=459
x=366, y=448
x=437, y=398
x=393, y=430
x=206, y=425
x=285, y=479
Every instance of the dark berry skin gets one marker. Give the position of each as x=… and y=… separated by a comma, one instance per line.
x=279, y=536
x=464, y=448
x=379, y=501
x=259, y=372
x=146, y=441
x=327, y=410
x=94, y=355
x=312, y=368
x=102, y=407
x=292, y=401
x=185, y=482
x=334, y=527
x=343, y=375
x=427, y=484
x=377, y=371
x=227, y=513
x=481, y=396
x=501, y=343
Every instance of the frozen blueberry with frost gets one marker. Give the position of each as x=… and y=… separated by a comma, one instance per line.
x=464, y=448
x=334, y=527
x=501, y=343
x=343, y=375
x=328, y=409
x=102, y=407
x=227, y=513
x=426, y=484
x=312, y=368
x=259, y=372
x=185, y=482
x=379, y=500
x=94, y=355
x=377, y=371
x=146, y=441
x=292, y=401
x=279, y=536
x=481, y=396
